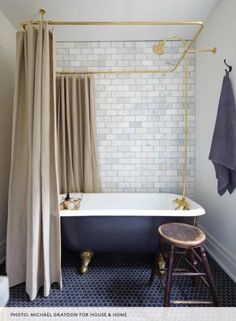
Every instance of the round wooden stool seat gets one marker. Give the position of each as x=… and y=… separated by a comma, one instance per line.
x=189, y=239
x=181, y=235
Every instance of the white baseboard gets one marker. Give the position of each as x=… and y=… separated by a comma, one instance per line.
x=221, y=255
x=2, y=251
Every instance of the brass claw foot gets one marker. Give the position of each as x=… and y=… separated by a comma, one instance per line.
x=86, y=257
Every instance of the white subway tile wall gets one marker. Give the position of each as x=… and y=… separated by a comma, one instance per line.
x=140, y=117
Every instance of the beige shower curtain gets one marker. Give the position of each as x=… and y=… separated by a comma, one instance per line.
x=76, y=121
x=33, y=236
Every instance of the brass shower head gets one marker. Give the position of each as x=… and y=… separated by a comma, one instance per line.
x=159, y=48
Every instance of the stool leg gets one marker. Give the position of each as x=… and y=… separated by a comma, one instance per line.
x=209, y=276
x=169, y=279
x=191, y=258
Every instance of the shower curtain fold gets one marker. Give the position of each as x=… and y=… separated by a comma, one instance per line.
x=76, y=121
x=33, y=235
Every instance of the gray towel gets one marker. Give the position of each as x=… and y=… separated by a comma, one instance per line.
x=223, y=148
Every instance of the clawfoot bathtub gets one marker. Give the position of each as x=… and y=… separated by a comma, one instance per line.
x=120, y=222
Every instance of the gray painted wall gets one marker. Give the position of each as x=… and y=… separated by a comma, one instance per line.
x=220, y=220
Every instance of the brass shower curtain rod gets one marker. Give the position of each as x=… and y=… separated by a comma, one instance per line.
x=188, y=49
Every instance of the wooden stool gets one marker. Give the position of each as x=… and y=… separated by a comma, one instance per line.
x=190, y=239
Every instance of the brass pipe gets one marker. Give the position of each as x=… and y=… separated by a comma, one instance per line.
x=186, y=124
x=114, y=23
x=110, y=72
x=159, y=49
x=212, y=50
x=125, y=23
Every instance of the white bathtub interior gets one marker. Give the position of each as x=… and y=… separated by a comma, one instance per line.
x=130, y=204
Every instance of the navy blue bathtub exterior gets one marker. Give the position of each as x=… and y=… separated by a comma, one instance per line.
x=128, y=234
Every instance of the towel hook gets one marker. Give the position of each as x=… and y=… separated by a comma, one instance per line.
x=230, y=67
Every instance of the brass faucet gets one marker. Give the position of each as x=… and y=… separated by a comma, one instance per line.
x=182, y=204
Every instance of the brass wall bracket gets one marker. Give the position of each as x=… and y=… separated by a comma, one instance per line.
x=212, y=50
x=42, y=12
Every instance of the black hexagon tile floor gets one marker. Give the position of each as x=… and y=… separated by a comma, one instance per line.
x=120, y=280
